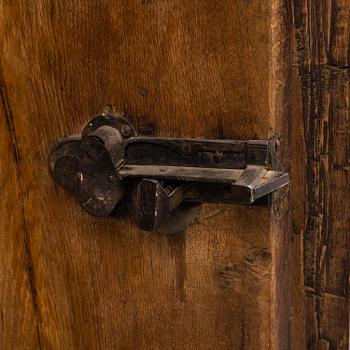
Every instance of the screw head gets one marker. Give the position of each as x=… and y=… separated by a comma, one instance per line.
x=227, y=195
x=111, y=178
x=125, y=130
x=218, y=156
x=186, y=147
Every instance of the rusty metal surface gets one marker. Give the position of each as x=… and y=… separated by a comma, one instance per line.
x=160, y=174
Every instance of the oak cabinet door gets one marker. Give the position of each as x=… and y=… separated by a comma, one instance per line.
x=199, y=69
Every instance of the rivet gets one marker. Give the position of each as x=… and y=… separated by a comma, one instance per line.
x=218, y=156
x=125, y=130
x=111, y=178
x=227, y=195
x=186, y=147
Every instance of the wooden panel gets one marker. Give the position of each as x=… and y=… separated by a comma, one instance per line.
x=185, y=69
x=322, y=54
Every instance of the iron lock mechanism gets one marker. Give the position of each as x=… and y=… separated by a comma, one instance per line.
x=161, y=178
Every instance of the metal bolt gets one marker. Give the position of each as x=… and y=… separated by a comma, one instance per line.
x=125, y=130
x=227, y=195
x=218, y=156
x=108, y=109
x=186, y=147
x=111, y=178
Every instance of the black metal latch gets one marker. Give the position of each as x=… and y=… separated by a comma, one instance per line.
x=111, y=164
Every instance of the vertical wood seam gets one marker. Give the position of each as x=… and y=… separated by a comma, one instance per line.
x=280, y=105
x=22, y=192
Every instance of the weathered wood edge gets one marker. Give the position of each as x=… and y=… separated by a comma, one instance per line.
x=280, y=105
x=322, y=79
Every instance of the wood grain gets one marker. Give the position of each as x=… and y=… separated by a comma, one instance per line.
x=18, y=307
x=322, y=81
x=185, y=69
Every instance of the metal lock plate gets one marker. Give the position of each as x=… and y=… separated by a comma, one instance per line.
x=161, y=178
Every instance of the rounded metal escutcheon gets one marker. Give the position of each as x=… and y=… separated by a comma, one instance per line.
x=86, y=167
x=125, y=128
x=100, y=186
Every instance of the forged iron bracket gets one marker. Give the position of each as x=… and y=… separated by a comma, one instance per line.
x=110, y=164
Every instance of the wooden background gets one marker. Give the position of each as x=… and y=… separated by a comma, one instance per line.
x=215, y=69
